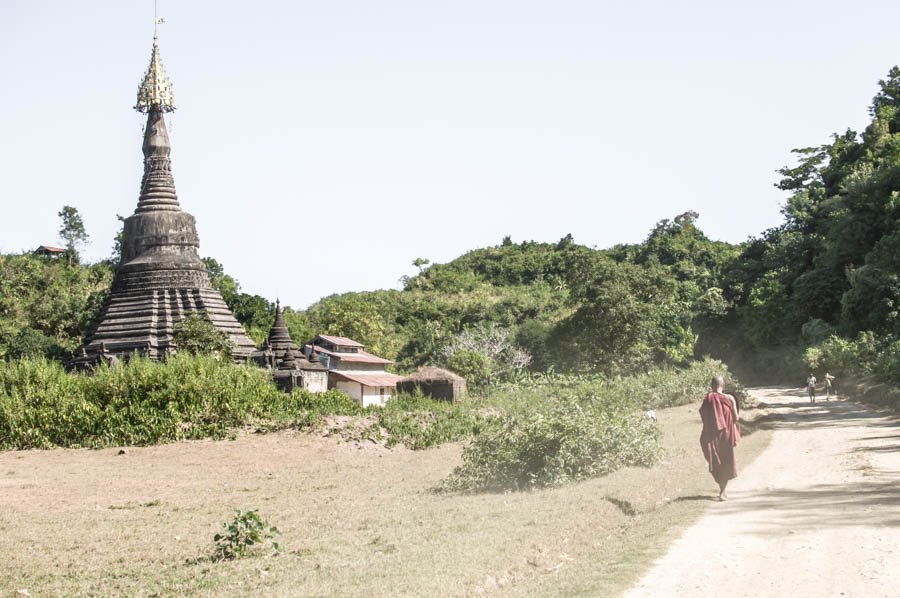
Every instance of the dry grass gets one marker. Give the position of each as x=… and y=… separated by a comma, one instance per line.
x=352, y=520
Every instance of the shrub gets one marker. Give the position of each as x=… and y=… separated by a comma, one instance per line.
x=418, y=422
x=572, y=441
x=844, y=356
x=474, y=367
x=198, y=336
x=142, y=402
x=242, y=535
x=887, y=361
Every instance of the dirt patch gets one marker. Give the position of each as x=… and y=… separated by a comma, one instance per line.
x=358, y=432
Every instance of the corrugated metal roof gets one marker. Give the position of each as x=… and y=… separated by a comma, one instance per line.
x=373, y=379
x=360, y=357
x=342, y=341
x=52, y=249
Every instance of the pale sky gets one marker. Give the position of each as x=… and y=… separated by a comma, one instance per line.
x=322, y=146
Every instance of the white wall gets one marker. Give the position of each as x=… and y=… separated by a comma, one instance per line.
x=353, y=389
x=364, y=395
x=315, y=380
x=372, y=395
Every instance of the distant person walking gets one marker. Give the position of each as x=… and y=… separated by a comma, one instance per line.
x=829, y=386
x=811, y=388
x=720, y=434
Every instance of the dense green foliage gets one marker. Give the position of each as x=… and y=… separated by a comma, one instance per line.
x=46, y=305
x=860, y=356
x=563, y=305
x=196, y=335
x=141, y=402
x=833, y=266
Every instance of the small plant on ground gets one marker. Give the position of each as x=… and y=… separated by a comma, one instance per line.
x=242, y=535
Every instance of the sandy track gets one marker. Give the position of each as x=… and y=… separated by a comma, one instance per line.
x=816, y=514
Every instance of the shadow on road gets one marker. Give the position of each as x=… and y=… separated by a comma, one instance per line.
x=828, y=505
x=696, y=497
x=861, y=503
x=803, y=415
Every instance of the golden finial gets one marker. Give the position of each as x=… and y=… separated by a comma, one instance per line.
x=156, y=89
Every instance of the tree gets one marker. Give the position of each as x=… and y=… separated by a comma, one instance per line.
x=420, y=263
x=350, y=315
x=626, y=318
x=831, y=264
x=197, y=335
x=46, y=299
x=495, y=346
x=72, y=232
x=476, y=368
x=116, y=256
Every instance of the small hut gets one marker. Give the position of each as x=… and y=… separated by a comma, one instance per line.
x=436, y=383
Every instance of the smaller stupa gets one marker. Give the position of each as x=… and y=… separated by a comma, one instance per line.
x=290, y=367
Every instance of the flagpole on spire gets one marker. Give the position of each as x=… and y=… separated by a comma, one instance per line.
x=156, y=19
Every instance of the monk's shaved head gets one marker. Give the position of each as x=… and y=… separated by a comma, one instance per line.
x=717, y=383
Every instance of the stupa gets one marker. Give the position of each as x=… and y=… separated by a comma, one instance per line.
x=290, y=367
x=160, y=278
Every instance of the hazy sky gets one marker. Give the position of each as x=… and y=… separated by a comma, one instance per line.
x=323, y=146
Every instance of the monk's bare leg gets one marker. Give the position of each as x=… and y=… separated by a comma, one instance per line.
x=722, y=495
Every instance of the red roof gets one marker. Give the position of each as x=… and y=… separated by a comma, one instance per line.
x=359, y=357
x=341, y=341
x=373, y=379
x=51, y=249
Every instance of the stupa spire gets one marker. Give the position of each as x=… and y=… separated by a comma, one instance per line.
x=154, y=98
x=155, y=90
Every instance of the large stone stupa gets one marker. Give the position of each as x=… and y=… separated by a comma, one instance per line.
x=160, y=278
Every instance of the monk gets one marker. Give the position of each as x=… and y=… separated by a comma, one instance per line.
x=720, y=434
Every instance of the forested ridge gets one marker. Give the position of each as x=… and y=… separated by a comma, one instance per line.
x=820, y=291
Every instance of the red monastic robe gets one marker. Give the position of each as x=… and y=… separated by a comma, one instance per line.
x=719, y=436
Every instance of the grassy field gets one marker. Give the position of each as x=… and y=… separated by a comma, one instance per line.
x=354, y=518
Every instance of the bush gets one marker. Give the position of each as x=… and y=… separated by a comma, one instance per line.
x=572, y=441
x=844, y=356
x=418, y=422
x=198, y=336
x=887, y=361
x=474, y=367
x=142, y=402
x=656, y=389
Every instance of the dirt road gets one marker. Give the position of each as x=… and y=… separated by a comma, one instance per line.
x=816, y=514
